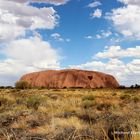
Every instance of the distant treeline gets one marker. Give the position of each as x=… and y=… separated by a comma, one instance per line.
x=26, y=86
x=7, y=87
x=136, y=86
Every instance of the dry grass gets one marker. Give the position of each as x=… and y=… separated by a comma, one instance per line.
x=69, y=114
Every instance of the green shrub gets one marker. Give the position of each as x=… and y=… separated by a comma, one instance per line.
x=136, y=99
x=20, y=101
x=114, y=94
x=3, y=101
x=88, y=97
x=104, y=106
x=33, y=102
x=87, y=104
x=125, y=97
x=22, y=85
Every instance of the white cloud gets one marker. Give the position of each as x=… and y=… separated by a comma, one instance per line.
x=134, y=66
x=58, y=37
x=88, y=37
x=21, y=17
x=96, y=14
x=94, y=4
x=68, y=39
x=6, y=34
x=27, y=55
x=89, y=65
x=24, y=54
x=55, y=2
x=103, y=34
x=118, y=52
x=126, y=19
x=130, y=2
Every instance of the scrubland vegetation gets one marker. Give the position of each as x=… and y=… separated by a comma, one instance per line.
x=69, y=114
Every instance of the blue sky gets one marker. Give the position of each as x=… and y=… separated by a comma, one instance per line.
x=84, y=34
x=76, y=23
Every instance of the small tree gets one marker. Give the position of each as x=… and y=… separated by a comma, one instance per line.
x=22, y=85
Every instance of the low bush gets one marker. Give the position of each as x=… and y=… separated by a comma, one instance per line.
x=3, y=101
x=136, y=99
x=19, y=101
x=69, y=112
x=87, y=104
x=65, y=134
x=33, y=102
x=114, y=94
x=87, y=117
x=103, y=106
x=6, y=101
x=22, y=85
x=125, y=97
x=88, y=97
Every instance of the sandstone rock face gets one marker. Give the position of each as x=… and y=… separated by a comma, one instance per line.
x=70, y=78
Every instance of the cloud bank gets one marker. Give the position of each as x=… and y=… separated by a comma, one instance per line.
x=55, y=2
x=126, y=19
x=22, y=48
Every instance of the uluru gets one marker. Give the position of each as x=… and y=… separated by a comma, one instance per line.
x=70, y=78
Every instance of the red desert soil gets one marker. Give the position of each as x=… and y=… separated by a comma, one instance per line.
x=70, y=78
